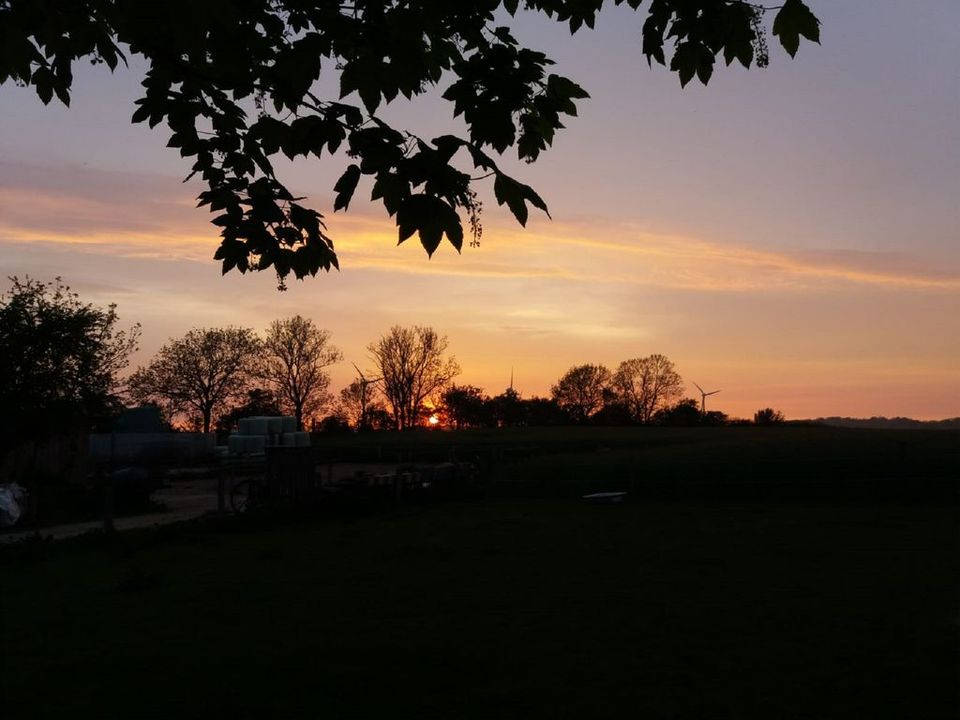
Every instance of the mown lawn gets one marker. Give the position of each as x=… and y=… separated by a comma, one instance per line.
x=507, y=609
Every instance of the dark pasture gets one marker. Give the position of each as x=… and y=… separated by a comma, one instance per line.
x=511, y=605
x=741, y=463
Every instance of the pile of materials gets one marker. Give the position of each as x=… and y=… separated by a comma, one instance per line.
x=255, y=434
x=13, y=501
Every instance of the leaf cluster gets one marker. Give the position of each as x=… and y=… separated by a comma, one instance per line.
x=234, y=82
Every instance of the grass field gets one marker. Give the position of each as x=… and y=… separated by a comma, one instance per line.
x=503, y=608
x=744, y=463
x=791, y=449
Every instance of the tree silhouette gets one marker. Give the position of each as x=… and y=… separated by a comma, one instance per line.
x=466, y=406
x=198, y=375
x=613, y=412
x=714, y=417
x=507, y=409
x=258, y=402
x=293, y=363
x=360, y=408
x=539, y=411
x=210, y=62
x=413, y=368
x=684, y=413
x=582, y=390
x=767, y=416
x=59, y=358
x=645, y=385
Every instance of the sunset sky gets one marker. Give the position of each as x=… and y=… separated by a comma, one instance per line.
x=790, y=236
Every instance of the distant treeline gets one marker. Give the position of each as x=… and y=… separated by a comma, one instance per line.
x=64, y=367
x=894, y=423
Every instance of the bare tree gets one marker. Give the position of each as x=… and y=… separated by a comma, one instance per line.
x=413, y=369
x=360, y=407
x=198, y=375
x=295, y=355
x=645, y=385
x=581, y=390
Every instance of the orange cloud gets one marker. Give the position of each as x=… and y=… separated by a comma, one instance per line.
x=150, y=216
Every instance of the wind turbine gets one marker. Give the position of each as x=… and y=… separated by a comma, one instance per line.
x=364, y=383
x=703, y=398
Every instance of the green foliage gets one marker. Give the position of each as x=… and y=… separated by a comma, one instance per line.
x=59, y=358
x=233, y=82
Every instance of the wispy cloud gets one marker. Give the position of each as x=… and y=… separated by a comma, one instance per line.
x=140, y=215
x=689, y=263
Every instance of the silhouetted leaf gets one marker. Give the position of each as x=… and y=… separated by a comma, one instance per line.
x=345, y=187
x=793, y=20
x=431, y=217
x=141, y=113
x=692, y=58
x=508, y=191
x=454, y=229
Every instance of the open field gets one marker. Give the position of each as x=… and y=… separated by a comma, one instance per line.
x=746, y=463
x=510, y=608
x=795, y=572
x=925, y=450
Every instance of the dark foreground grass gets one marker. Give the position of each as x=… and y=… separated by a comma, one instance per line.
x=506, y=609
